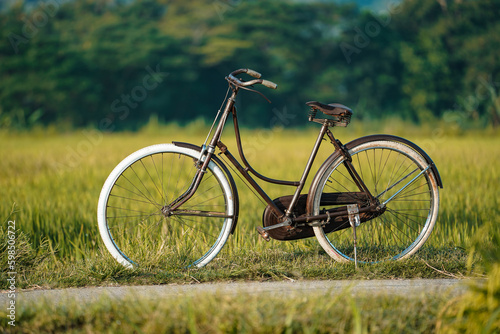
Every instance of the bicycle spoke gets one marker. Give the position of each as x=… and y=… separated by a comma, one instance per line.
x=152, y=180
x=142, y=183
x=140, y=195
x=129, y=198
x=160, y=179
x=396, y=183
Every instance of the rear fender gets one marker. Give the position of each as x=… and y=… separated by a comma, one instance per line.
x=360, y=141
x=406, y=142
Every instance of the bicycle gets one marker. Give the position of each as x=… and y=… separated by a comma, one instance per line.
x=374, y=199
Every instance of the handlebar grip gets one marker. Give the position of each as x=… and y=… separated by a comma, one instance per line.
x=253, y=73
x=269, y=84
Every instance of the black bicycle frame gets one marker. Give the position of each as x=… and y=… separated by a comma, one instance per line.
x=207, y=153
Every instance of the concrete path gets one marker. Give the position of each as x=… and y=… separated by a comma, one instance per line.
x=416, y=287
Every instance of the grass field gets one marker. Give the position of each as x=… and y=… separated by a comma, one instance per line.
x=51, y=183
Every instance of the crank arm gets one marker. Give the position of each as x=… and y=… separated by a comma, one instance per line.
x=287, y=222
x=263, y=230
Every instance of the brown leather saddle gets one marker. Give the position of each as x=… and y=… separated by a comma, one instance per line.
x=332, y=109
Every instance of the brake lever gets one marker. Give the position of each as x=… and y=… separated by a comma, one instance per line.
x=255, y=91
x=239, y=83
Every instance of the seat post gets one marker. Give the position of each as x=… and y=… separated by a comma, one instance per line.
x=307, y=169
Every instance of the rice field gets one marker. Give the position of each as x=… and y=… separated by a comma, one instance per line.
x=51, y=183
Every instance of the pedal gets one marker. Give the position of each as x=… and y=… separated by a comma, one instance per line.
x=263, y=233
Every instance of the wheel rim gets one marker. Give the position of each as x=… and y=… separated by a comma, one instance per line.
x=138, y=229
x=409, y=216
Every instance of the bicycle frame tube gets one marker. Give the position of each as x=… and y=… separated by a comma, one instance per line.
x=247, y=164
x=303, y=179
x=350, y=168
x=245, y=170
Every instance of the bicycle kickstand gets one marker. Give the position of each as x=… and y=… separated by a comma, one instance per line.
x=353, y=212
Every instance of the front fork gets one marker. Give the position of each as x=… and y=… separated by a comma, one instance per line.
x=201, y=165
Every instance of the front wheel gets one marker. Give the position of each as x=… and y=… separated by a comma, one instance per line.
x=138, y=230
x=410, y=208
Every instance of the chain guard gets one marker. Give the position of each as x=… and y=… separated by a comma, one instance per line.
x=285, y=233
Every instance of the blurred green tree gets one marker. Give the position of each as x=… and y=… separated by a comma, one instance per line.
x=113, y=63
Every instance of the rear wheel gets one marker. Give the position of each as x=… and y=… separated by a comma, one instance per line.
x=411, y=208
x=138, y=230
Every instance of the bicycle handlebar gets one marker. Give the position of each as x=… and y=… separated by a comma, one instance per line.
x=255, y=74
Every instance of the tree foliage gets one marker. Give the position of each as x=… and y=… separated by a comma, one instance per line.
x=112, y=64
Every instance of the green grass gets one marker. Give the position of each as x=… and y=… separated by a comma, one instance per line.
x=243, y=313
x=51, y=183
x=477, y=311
